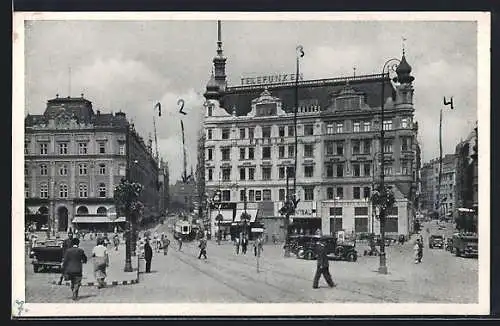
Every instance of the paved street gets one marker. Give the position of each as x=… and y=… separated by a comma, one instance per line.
x=227, y=277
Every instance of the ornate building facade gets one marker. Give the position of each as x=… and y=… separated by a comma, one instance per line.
x=74, y=157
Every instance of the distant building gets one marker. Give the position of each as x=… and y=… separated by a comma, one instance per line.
x=467, y=172
x=183, y=196
x=74, y=157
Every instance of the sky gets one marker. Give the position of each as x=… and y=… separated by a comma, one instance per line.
x=130, y=65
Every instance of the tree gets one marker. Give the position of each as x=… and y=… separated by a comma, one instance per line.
x=200, y=173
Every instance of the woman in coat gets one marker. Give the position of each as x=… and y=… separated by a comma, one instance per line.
x=101, y=262
x=148, y=255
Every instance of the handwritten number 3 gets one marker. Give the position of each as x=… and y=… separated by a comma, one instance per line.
x=181, y=103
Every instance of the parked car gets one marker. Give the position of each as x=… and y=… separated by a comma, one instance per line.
x=295, y=241
x=436, y=240
x=465, y=244
x=344, y=251
x=47, y=255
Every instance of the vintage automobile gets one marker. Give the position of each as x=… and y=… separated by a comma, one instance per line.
x=436, y=240
x=47, y=255
x=465, y=244
x=340, y=250
x=295, y=241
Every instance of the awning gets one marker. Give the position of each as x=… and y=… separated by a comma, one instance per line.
x=251, y=212
x=97, y=219
x=227, y=215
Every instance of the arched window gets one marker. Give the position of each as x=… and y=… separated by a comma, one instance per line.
x=82, y=210
x=102, y=210
x=44, y=190
x=63, y=170
x=102, y=168
x=102, y=190
x=82, y=190
x=63, y=190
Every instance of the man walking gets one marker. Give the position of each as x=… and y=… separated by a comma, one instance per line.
x=203, y=248
x=66, y=245
x=322, y=267
x=74, y=258
x=148, y=255
x=244, y=245
x=179, y=240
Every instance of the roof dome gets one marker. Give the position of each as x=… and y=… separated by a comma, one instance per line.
x=212, y=84
x=403, y=71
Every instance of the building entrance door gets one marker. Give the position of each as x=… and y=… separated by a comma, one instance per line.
x=62, y=213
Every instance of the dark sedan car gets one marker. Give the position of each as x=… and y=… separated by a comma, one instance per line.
x=343, y=251
x=436, y=240
x=47, y=255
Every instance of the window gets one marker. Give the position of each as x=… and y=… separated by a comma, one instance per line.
x=210, y=154
x=391, y=224
x=366, y=193
x=43, y=169
x=82, y=210
x=366, y=126
x=258, y=195
x=404, y=123
x=367, y=146
x=340, y=170
x=209, y=134
x=225, y=133
x=242, y=195
x=226, y=174
x=26, y=171
x=266, y=195
x=308, y=171
x=102, y=210
x=242, y=153
x=242, y=133
x=266, y=132
x=329, y=170
x=82, y=190
x=281, y=131
x=356, y=146
x=361, y=211
x=290, y=170
x=367, y=169
x=121, y=149
x=250, y=133
x=360, y=223
x=308, y=193
x=329, y=193
x=356, y=193
x=210, y=174
x=281, y=151
x=63, y=170
x=405, y=143
x=329, y=128
x=251, y=195
x=340, y=127
x=242, y=173
x=340, y=192
x=281, y=195
x=121, y=170
x=387, y=124
x=210, y=111
x=82, y=169
x=251, y=173
x=308, y=150
x=63, y=190
x=308, y=130
x=251, y=151
x=329, y=147
x=44, y=190
x=266, y=173
x=340, y=148
x=357, y=169
x=225, y=154
x=336, y=224
x=266, y=152
x=281, y=172
x=405, y=168
x=356, y=126
x=291, y=150
x=82, y=148
x=102, y=147
x=388, y=170
x=26, y=190
x=336, y=211
x=26, y=147
x=63, y=148
x=291, y=131
x=102, y=169
x=226, y=195
x=43, y=148
x=388, y=146
x=102, y=190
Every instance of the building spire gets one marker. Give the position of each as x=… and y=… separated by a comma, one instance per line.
x=403, y=39
x=219, y=39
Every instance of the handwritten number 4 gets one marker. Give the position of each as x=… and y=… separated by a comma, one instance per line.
x=181, y=103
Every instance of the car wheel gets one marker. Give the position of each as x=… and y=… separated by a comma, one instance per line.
x=352, y=257
x=458, y=253
x=300, y=254
x=35, y=268
x=309, y=255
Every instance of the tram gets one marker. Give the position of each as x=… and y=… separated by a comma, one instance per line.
x=184, y=230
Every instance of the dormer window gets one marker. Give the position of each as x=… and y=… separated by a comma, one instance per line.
x=348, y=99
x=210, y=111
x=267, y=109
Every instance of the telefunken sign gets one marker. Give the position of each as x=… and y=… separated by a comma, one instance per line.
x=270, y=79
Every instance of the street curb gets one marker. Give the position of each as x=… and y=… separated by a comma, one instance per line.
x=107, y=283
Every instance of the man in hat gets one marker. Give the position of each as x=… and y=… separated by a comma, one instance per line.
x=74, y=257
x=322, y=267
x=68, y=243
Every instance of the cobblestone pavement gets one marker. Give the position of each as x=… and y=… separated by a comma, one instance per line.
x=180, y=277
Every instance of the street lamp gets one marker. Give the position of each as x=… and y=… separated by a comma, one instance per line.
x=289, y=207
x=391, y=64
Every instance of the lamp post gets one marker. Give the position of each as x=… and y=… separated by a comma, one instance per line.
x=383, y=266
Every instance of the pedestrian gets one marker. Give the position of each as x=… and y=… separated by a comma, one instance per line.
x=203, y=248
x=156, y=242
x=418, y=250
x=322, y=267
x=244, y=245
x=101, y=262
x=237, y=245
x=257, y=246
x=148, y=255
x=166, y=243
x=72, y=267
x=179, y=242
x=116, y=241
x=67, y=243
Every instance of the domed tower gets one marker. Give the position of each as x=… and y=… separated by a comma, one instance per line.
x=219, y=78
x=404, y=87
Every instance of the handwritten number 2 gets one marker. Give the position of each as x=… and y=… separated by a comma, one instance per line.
x=181, y=103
